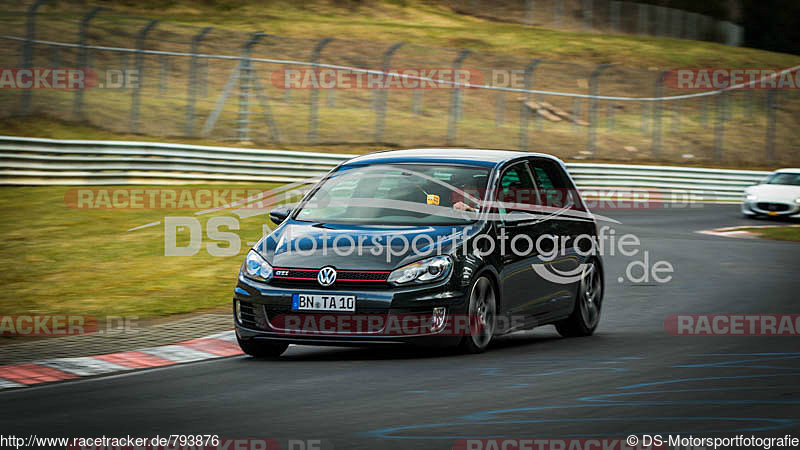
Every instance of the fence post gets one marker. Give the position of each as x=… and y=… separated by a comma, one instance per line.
x=662, y=13
x=704, y=110
x=676, y=116
x=264, y=99
x=383, y=94
x=529, y=12
x=245, y=76
x=614, y=15
x=719, y=128
x=558, y=11
x=691, y=26
x=588, y=14
x=140, y=40
x=455, y=100
x=163, y=83
x=643, y=22
x=212, y=118
x=657, y=107
x=676, y=23
x=313, y=124
x=191, y=95
x=416, y=102
x=55, y=56
x=611, y=118
x=500, y=109
x=771, y=124
x=83, y=55
x=576, y=114
x=593, y=82
x=27, y=52
x=524, y=111
x=645, y=119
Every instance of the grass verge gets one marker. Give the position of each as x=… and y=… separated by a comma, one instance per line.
x=58, y=259
x=776, y=233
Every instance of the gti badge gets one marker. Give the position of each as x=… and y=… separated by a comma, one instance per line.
x=326, y=276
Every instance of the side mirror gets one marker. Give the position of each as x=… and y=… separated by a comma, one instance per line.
x=279, y=214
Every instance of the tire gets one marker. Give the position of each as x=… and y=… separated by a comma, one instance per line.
x=586, y=315
x=262, y=349
x=483, y=308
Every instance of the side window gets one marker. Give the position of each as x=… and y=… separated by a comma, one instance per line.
x=553, y=185
x=517, y=189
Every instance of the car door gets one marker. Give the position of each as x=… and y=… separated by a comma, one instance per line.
x=562, y=218
x=517, y=200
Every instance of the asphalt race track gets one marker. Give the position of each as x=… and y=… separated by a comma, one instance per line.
x=632, y=376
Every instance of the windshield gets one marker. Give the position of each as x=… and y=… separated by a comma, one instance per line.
x=788, y=178
x=398, y=194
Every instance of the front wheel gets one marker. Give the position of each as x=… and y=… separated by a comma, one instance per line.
x=262, y=349
x=586, y=315
x=481, y=313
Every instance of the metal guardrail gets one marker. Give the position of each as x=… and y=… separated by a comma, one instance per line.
x=37, y=161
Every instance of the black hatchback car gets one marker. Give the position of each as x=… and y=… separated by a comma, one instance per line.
x=445, y=247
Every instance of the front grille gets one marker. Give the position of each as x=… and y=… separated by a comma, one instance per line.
x=290, y=277
x=776, y=207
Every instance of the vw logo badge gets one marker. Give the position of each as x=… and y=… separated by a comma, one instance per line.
x=326, y=276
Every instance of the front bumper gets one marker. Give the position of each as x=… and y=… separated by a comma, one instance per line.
x=268, y=311
x=771, y=209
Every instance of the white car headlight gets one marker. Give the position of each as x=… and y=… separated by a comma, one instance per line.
x=751, y=197
x=256, y=268
x=424, y=271
x=797, y=200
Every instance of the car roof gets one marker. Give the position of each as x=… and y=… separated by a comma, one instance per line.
x=789, y=170
x=481, y=157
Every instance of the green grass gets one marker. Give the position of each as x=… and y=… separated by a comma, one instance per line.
x=58, y=259
x=435, y=24
x=780, y=233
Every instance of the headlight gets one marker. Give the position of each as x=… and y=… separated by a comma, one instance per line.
x=430, y=269
x=797, y=200
x=256, y=268
x=751, y=197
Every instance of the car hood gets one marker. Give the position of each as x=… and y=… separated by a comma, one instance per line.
x=297, y=244
x=775, y=192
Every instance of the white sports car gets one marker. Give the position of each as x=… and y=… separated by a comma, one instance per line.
x=777, y=196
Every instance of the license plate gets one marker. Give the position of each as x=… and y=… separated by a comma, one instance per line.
x=323, y=302
x=772, y=213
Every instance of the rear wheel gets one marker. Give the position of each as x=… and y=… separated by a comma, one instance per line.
x=482, y=312
x=586, y=315
x=262, y=349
